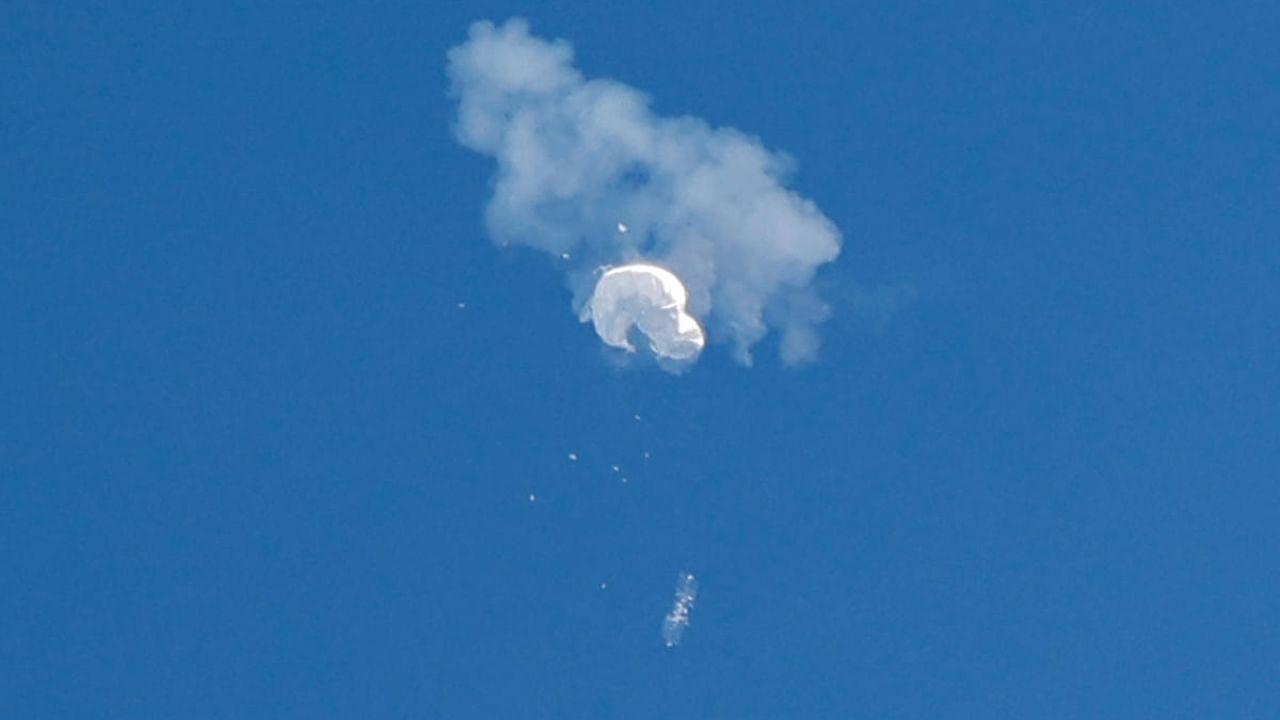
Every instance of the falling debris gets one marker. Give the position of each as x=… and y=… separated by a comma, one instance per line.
x=462, y=306
x=616, y=468
x=646, y=454
x=573, y=456
x=677, y=620
x=637, y=417
x=533, y=498
x=622, y=228
x=650, y=299
x=603, y=585
x=565, y=256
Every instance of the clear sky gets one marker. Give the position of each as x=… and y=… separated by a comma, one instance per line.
x=255, y=461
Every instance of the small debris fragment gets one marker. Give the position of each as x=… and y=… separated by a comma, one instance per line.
x=677, y=620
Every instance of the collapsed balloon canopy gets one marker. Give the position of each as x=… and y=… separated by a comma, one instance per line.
x=650, y=299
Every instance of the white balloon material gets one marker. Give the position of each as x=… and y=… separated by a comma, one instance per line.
x=650, y=299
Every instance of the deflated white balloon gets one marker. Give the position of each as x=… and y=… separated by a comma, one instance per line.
x=650, y=299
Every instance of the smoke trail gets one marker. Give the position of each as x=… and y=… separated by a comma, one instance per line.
x=577, y=158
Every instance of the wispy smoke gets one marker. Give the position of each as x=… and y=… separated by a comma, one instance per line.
x=576, y=157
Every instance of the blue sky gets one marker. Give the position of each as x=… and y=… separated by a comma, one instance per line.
x=255, y=461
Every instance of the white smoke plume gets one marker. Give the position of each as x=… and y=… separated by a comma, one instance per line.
x=587, y=172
